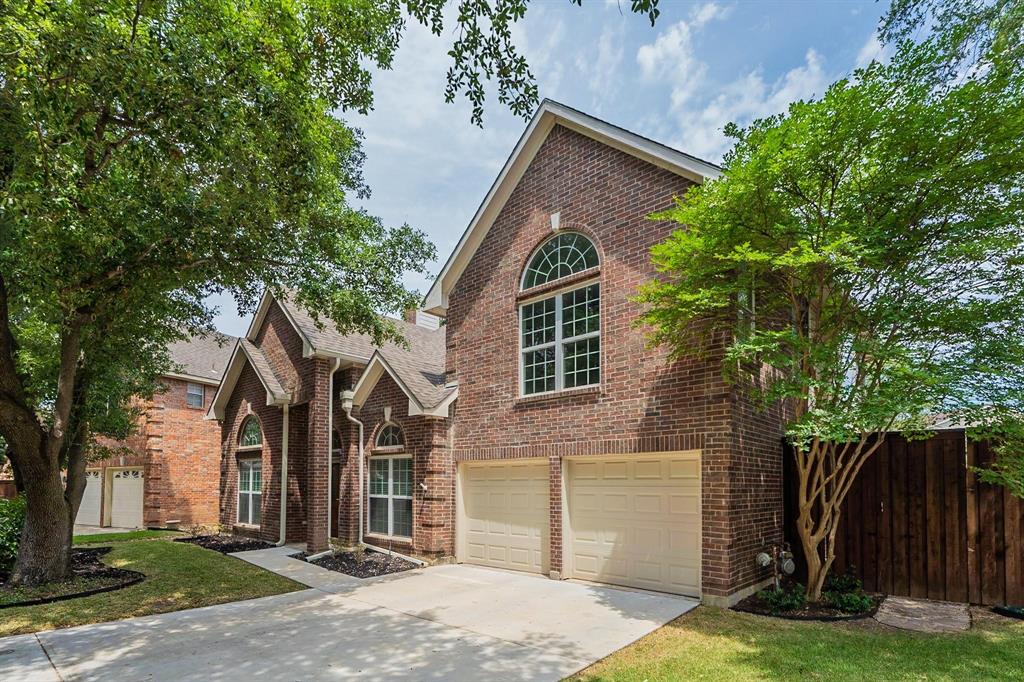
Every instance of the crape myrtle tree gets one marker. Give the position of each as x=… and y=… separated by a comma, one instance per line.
x=153, y=152
x=863, y=254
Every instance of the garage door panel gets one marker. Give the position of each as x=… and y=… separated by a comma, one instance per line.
x=506, y=514
x=684, y=504
x=126, y=498
x=640, y=530
x=89, y=508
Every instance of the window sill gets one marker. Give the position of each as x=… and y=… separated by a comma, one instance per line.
x=556, y=395
x=374, y=538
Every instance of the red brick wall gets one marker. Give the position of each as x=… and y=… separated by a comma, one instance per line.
x=426, y=439
x=646, y=403
x=283, y=348
x=179, y=451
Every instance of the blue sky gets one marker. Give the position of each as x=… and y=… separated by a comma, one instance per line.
x=701, y=66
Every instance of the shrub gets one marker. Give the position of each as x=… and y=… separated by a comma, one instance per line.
x=12, y=518
x=784, y=599
x=849, y=602
x=843, y=582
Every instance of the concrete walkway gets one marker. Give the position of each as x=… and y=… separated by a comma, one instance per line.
x=101, y=530
x=924, y=615
x=451, y=622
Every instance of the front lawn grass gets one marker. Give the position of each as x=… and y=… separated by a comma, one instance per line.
x=108, y=538
x=713, y=644
x=179, y=576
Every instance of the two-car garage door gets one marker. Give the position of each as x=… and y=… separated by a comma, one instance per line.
x=632, y=521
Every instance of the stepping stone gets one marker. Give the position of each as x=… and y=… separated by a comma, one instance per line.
x=924, y=615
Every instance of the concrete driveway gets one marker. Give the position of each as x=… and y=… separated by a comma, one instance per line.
x=451, y=622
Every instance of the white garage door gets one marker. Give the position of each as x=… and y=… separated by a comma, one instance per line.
x=126, y=498
x=635, y=521
x=89, y=509
x=505, y=514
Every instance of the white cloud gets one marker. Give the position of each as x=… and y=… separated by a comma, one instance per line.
x=700, y=109
x=872, y=50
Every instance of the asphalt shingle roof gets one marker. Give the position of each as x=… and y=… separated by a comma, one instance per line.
x=420, y=366
x=203, y=356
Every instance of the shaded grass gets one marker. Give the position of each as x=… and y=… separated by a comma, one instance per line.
x=179, y=576
x=12, y=595
x=107, y=538
x=713, y=644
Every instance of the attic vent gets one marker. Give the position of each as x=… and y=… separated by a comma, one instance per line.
x=427, y=320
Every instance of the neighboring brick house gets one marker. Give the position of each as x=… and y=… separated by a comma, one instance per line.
x=535, y=429
x=172, y=475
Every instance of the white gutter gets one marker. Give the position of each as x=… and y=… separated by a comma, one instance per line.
x=346, y=404
x=284, y=477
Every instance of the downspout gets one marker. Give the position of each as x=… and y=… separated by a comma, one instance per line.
x=346, y=404
x=284, y=477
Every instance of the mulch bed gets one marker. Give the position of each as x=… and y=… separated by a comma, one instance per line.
x=1010, y=611
x=819, y=612
x=226, y=544
x=367, y=564
x=89, y=576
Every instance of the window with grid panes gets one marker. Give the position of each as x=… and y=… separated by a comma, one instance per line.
x=391, y=496
x=560, y=336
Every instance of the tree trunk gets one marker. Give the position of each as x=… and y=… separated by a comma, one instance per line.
x=44, y=553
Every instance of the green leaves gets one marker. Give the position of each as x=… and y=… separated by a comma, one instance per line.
x=866, y=246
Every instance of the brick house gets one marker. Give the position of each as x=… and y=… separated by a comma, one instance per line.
x=167, y=472
x=534, y=429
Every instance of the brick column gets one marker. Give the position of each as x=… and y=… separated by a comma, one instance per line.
x=555, y=515
x=318, y=443
x=434, y=508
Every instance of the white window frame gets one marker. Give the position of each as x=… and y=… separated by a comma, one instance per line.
x=560, y=342
x=190, y=394
x=241, y=433
x=377, y=447
x=390, y=496
x=250, y=464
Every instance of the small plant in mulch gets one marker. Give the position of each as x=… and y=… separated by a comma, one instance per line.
x=226, y=544
x=843, y=598
x=89, y=575
x=362, y=563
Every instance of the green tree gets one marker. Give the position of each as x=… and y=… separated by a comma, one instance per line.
x=862, y=256
x=153, y=152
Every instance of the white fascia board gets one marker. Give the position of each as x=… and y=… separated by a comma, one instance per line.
x=239, y=357
x=227, y=383
x=439, y=411
x=548, y=115
x=372, y=374
x=191, y=378
x=367, y=380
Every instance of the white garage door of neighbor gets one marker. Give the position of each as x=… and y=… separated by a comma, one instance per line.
x=505, y=514
x=126, y=499
x=89, y=509
x=635, y=521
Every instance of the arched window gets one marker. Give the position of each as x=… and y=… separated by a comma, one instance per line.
x=562, y=255
x=390, y=436
x=560, y=334
x=251, y=436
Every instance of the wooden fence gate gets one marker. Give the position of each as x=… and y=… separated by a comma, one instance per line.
x=918, y=523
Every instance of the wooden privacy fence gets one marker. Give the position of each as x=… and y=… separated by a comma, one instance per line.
x=918, y=523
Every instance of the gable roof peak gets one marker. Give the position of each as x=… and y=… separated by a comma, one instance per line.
x=549, y=114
